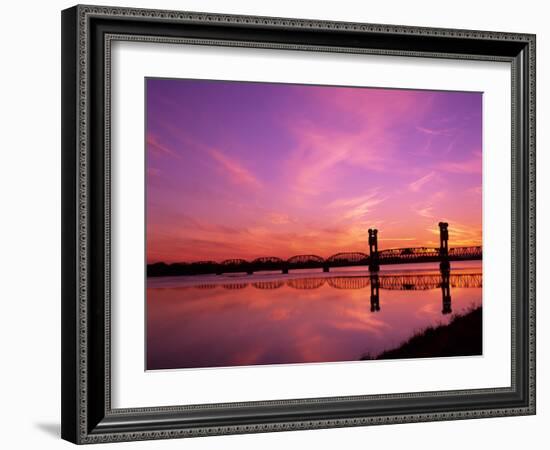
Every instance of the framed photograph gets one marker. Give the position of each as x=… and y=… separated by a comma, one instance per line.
x=278, y=224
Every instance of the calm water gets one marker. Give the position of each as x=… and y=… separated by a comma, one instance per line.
x=215, y=321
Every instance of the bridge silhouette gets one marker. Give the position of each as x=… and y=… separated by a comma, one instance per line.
x=373, y=260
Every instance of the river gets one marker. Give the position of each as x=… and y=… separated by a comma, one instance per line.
x=303, y=317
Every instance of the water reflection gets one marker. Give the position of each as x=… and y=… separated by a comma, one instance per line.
x=296, y=318
x=446, y=290
x=374, y=292
x=400, y=282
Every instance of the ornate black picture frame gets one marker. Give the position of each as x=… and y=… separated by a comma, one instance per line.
x=87, y=34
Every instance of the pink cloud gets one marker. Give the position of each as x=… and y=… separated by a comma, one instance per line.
x=426, y=212
x=235, y=170
x=357, y=207
x=157, y=147
x=376, y=105
x=322, y=154
x=437, y=132
x=322, y=150
x=472, y=165
x=416, y=185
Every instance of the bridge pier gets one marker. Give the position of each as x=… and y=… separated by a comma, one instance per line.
x=373, y=250
x=326, y=268
x=444, y=264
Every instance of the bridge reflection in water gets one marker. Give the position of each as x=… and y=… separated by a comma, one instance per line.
x=443, y=280
x=401, y=282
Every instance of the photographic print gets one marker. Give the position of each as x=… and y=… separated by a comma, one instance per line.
x=291, y=224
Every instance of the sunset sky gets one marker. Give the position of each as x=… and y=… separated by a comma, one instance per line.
x=242, y=170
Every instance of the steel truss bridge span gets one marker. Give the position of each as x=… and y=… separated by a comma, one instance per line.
x=343, y=259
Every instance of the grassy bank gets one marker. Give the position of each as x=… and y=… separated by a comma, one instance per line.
x=461, y=337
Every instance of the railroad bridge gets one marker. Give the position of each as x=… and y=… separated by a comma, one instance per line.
x=373, y=260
